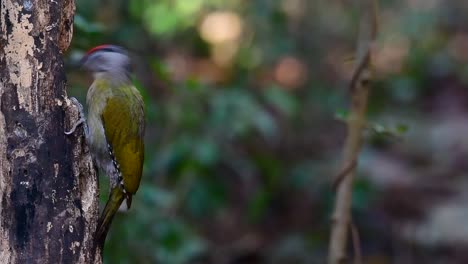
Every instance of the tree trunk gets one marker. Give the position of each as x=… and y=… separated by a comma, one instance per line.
x=48, y=187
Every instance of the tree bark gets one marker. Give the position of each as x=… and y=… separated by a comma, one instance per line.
x=48, y=186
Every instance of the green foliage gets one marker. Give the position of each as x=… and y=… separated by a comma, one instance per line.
x=244, y=152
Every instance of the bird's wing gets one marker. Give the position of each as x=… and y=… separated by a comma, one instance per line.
x=123, y=120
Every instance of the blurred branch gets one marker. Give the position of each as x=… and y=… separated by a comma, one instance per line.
x=356, y=243
x=359, y=88
x=343, y=173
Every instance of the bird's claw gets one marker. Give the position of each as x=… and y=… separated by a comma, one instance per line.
x=82, y=120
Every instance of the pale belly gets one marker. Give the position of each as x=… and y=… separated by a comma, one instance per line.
x=99, y=148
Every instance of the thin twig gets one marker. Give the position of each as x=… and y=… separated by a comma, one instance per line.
x=361, y=66
x=359, y=87
x=356, y=243
x=342, y=174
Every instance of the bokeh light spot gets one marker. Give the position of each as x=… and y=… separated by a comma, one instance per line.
x=220, y=26
x=290, y=72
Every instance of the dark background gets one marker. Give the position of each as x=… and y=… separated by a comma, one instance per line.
x=245, y=102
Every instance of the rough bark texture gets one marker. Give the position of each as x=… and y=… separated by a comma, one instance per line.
x=48, y=187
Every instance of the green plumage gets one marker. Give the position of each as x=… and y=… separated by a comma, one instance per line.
x=116, y=198
x=123, y=134
x=116, y=128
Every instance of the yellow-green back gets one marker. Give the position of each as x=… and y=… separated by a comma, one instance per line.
x=123, y=121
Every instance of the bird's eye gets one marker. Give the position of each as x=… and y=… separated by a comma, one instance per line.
x=96, y=57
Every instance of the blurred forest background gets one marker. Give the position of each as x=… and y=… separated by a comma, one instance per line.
x=245, y=105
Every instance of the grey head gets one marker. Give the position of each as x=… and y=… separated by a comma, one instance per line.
x=107, y=59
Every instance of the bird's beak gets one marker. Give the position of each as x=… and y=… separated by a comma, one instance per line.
x=76, y=60
x=82, y=61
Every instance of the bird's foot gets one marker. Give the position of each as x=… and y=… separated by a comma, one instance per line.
x=82, y=120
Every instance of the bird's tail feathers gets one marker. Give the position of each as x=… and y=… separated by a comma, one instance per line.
x=115, y=200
